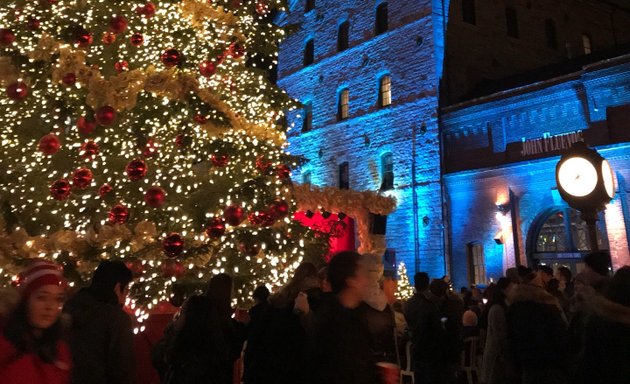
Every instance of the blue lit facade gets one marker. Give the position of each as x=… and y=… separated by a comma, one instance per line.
x=469, y=202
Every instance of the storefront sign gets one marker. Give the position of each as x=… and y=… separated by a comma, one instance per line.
x=551, y=143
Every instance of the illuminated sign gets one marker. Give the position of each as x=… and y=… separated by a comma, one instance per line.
x=550, y=143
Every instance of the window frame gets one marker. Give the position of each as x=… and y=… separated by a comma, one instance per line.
x=476, y=263
x=385, y=91
x=587, y=43
x=307, y=119
x=469, y=12
x=344, y=169
x=307, y=177
x=551, y=34
x=343, y=104
x=381, y=20
x=387, y=171
x=309, y=53
x=343, y=36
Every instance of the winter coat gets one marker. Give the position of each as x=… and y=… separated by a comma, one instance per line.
x=537, y=331
x=496, y=363
x=101, y=340
x=29, y=368
x=382, y=326
x=427, y=333
x=341, y=353
x=606, y=356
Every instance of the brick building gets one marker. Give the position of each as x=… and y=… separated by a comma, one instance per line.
x=431, y=110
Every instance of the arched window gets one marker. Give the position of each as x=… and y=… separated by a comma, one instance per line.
x=342, y=104
x=587, y=44
x=307, y=122
x=343, y=36
x=381, y=24
x=309, y=52
x=309, y=6
x=550, y=33
x=387, y=171
x=468, y=12
x=385, y=91
x=511, y=20
x=561, y=235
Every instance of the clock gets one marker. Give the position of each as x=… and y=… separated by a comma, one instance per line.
x=609, y=179
x=577, y=176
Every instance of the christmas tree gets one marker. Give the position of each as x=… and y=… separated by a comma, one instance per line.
x=147, y=132
x=404, y=289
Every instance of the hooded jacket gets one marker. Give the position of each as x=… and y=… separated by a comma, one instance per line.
x=101, y=339
x=537, y=331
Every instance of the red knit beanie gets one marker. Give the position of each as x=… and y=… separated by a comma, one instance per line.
x=38, y=274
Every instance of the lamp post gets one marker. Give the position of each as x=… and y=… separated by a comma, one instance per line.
x=586, y=182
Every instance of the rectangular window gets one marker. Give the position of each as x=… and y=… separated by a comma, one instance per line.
x=344, y=176
x=381, y=24
x=550, y=33
x=511, y=22
x=309, y=6
x=309, y=53
x=468, y=12
x=343, y=36
x=306, y=178
x=307, y=123
x=342, y=107
x=587, y=44
x=387, y=172
x=385, y=93
x=476, y=264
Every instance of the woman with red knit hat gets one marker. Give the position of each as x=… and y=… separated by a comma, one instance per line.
x=31, y=348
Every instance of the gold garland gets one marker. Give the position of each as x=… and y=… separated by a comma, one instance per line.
x=357, y=205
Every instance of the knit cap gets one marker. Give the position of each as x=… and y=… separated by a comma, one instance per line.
x=38, y=274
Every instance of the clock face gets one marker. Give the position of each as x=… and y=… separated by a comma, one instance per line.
x=577, y=176
x=609, y=180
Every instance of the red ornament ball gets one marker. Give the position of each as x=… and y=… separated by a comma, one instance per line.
x=136, y=169
x=108, y=38
x=172, y=268
x=182, y=140
x=136, y=267
x=60, y=189
x=105, y=115
x=279, y=209
x=105, y=189
x=173, y=244
x=7, y=37
x=171, y=58
x=148, y=10
x=262, y=219
x=89, y=149
x=119, y=214
x=33, y=24
x=236, y=50
x=150, y=149
x=69, y=79
x=261, y=7
x=121, y=66
x=234, y=215
x=17, y=91
x=215, y=228
x=248, y=249
x=200, y=119
x=207, y=68
x=49, y=144
x=118, y=24
x=155, y=197
x=83, y=38
x=262, y=164
x=86, y=125
x=82, y=178
x=220, y=58
x=137, y=39
x=283, y=171
x=220, y=160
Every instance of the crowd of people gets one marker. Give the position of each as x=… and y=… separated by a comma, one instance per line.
x=334, y=325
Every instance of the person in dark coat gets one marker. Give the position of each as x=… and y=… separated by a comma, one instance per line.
x=537, y=333
x=200, y=351
x=342, y=339
x=427, y=333
x=607, y=335
x=101, y=336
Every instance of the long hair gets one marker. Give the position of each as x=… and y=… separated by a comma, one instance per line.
x=219, y=292
x=19, y=332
